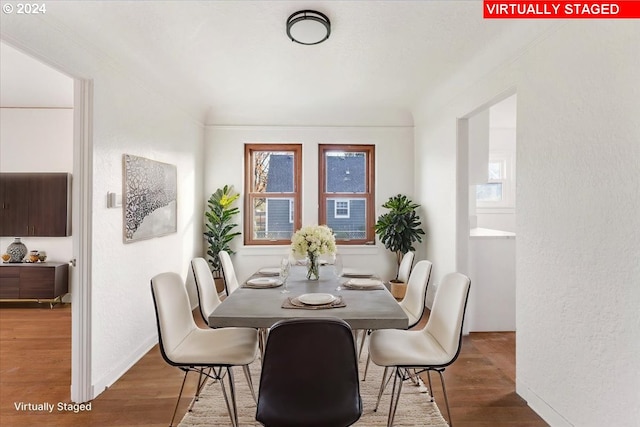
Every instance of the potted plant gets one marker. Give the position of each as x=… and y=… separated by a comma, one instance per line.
x=398, y=229
x=220, y=228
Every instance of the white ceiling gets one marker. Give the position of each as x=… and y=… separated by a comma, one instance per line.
x=26, y=82
x=231, y=61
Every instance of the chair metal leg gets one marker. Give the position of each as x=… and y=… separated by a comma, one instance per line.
x=179, y=396
x=446, y=400
x=393, y=405
x=366, y=367
x=430, y=386
x=232, y=392
x=201, y=383
x=226, y=397
x=384, y=374
x=247, y=374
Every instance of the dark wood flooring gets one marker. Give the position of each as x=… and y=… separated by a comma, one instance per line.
x=35, y=367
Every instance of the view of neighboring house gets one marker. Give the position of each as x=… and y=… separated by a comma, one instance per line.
x=345, y=215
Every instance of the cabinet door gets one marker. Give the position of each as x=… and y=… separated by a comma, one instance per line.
x=48, y=205
x=37, y=282
x=35, y=204
x=14, y=202
x=9, y=282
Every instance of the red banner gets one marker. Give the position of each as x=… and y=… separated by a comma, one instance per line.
x=497, y=9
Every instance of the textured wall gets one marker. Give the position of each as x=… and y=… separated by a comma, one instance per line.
x=578, y=275
x=578, y=198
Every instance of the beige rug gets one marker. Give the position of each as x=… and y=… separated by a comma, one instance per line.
x=414, y=408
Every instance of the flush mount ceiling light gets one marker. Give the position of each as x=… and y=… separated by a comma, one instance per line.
x=308, y=27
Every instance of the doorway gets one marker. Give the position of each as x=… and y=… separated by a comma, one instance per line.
x=485, y=223
x=32, y=87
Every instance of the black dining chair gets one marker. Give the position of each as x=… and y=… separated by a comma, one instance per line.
x=309, y=375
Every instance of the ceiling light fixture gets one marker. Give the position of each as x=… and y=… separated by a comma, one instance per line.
x=308, y=27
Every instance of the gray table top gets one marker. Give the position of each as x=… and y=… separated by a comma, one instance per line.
x=261, y=308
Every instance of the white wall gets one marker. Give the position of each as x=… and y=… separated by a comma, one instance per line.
x=128, y=117
x=577, y=267
x=224, y=154
x=38, y=140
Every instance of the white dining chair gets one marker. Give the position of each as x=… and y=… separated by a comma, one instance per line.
x=210, y=352
x=230, y=278
x=431, y=348
x=414, y=302
x=208, y=299
x=404, y=269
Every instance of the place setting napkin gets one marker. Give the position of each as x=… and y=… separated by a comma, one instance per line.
x=363, y=284
x=262, y=283
x=293, y=302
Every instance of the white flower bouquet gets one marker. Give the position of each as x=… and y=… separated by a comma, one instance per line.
x=311, y=242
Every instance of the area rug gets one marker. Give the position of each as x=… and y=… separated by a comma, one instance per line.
x=414, y=409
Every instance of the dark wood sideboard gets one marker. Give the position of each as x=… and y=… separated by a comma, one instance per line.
x=41, y=282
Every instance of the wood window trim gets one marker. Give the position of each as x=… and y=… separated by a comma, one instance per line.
x=368, y=195
x=250, y=195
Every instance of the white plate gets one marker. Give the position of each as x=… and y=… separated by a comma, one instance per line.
x=354, y=272
x=270, y=271
x=316, y=299
x=263, y=281
x=364, y=283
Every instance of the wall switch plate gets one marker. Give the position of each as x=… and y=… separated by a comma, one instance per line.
x=114, y=200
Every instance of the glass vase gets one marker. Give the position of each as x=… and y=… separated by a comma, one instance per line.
x=313, y=273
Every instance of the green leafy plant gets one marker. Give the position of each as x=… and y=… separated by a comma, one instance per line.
x=220, y=225
x=399, y=228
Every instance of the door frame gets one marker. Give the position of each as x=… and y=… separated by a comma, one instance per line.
x=462, y=184
x=81, y=387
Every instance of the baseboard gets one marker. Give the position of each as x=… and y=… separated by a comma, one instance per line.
x=540, y=407
x=114, y=374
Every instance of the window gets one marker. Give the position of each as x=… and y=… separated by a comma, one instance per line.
x=347, y=205
x=341, y=208
x=272, y=187
x=492, y=191
x=499, y=191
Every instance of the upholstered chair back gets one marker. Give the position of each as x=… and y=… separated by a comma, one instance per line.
x=207, y=294
x=230, y=278
x=413, y=302
x=445, y=320
x=173, y=311
x=404, y=270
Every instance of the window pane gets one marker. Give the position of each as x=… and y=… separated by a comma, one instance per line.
x=273, y=172
x=495, y=170
x=271, y=218
x=346, y=172
x=351, y=226
x=491, y=192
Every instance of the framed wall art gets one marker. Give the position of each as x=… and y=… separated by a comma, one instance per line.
x=150, y=198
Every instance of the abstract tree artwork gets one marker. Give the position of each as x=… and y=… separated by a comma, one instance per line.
x=150, y=198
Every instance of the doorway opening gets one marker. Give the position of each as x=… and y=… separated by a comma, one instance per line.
x=33, y=88
x=486, y=222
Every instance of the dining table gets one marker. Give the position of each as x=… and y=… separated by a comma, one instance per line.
x=257, y=307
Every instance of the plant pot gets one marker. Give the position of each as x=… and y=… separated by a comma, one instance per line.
x=219, y=281
x=398, y=289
